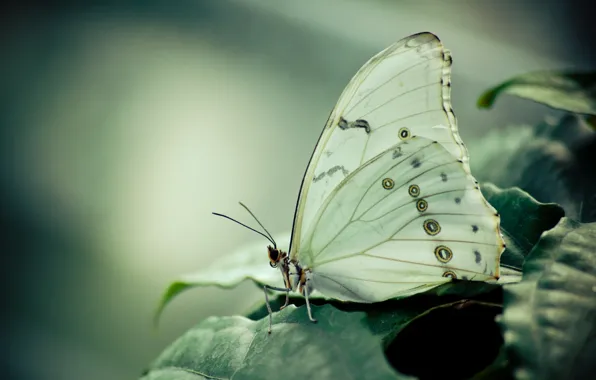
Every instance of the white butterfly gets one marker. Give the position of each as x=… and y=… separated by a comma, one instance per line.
x=388, y=206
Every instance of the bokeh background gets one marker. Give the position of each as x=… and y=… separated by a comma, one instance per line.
x=124, y=124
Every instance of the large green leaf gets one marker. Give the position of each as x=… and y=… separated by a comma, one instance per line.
x=247, y=263
x=404, y=328
x=386, y=319
x=549, y=320
x=338, y=346
x=395, y=325
x=523, y=220
x=568, y=91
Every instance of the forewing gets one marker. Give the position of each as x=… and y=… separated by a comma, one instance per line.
x=409, y=219
x=401, y=92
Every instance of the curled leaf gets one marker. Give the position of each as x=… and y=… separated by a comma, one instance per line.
x=568, y=91
x=523, y=220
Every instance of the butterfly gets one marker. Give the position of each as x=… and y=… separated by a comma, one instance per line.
x=388, y=206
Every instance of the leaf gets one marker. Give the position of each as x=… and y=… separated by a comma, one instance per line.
x=568, y=91
x=523, y=220
x=549, y=320
x=338, y=346
x=246, y=263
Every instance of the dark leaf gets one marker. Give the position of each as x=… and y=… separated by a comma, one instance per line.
x=549, y=319
x=552, y=161
x=523, y=220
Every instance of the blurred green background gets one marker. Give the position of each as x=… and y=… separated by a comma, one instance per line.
x=124, y=124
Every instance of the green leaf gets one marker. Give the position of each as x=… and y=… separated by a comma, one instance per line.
x=338, y=346
x=549, y=321
x=246, y=263
x=568, y=91
x=405, y=328
x=523, y=220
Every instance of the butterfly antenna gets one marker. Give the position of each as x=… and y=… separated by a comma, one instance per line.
x=250, y=228
x=260, y=224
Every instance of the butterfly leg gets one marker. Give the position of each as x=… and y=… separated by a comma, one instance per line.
x=287, y=300
x=287, y=294
x=305, y=292
x=265, y=288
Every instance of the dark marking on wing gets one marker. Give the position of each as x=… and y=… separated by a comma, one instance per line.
x=444, y=177
x=416, y=162
x=360, y=123
x=397, y=153
x=330, y=172
x=474, y=228
x=477, y=256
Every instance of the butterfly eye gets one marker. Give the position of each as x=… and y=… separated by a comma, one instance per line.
x=421, y=205
x=414, y=190
x=404, y=133
x=443, y=253
x=273, y=255
x=431, y=227
x=450, y=274
x=388, y=183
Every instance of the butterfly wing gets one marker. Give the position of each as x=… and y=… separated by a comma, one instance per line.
x=401, y=92
x=407, y=220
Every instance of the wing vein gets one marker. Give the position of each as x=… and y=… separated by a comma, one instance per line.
x=382, y=85
x=407, y=117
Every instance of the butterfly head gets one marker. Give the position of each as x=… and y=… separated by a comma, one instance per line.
x=276, y=256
